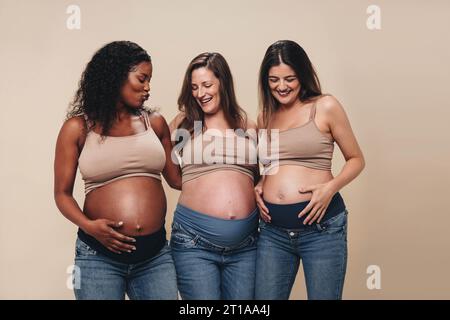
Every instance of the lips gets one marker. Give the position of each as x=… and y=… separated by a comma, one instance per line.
x=205, y=100
x=284, y=93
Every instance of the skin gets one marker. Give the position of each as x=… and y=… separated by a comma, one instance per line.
x=230, y=194
x=129, y=207
x=293, y=183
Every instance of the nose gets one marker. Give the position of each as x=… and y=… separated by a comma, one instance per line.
x=147, y=86
x=200, y=92
x=282, y=86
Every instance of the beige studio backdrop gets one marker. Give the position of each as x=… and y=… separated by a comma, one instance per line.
x=391, y=78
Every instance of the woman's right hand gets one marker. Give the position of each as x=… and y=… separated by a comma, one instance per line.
x=103, y=231
x=263, y=211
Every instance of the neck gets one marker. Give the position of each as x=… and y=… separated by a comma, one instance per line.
x=216, y=120
x=290, y=106
x=123, y=112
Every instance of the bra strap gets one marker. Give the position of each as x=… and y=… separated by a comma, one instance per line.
x=313, y=108
x=146, y=119
x=313, y=111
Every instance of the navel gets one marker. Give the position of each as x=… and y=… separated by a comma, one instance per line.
x=138, y=228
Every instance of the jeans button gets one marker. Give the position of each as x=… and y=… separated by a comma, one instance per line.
x=291, y=234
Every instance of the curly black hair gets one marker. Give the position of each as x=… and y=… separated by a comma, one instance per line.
x=99, y=87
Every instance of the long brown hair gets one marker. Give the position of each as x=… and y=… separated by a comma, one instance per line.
x=292, y=54
x=215, y=62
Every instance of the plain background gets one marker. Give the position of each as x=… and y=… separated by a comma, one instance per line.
x=392, y=83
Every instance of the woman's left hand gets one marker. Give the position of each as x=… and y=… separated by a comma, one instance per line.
x=321, y=198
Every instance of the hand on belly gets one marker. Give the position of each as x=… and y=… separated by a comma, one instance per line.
x=284, y=187
x=141, y=206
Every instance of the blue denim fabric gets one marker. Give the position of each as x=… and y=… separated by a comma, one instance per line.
x=209, y=271
x=322, y=248
x=223, y=232
x=102, y=278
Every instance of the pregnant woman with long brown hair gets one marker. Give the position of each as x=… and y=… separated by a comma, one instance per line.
x=304, y=217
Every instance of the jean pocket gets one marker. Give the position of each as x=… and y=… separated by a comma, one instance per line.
x=248, y=242
x=181, y=237
x=337, y=224
x=82, y=249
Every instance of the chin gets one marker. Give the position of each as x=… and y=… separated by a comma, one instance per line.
x=285, y=100
x=210, y=110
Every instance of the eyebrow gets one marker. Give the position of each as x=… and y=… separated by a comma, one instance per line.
x=289, y=76
x=207, y=81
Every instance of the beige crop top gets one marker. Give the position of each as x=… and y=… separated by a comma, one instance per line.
x=114, y=158
x=305, y=146
x=207, y=152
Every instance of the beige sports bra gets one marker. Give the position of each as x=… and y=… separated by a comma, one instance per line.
x=305, y=146
x=104, y=161
x=208, y=153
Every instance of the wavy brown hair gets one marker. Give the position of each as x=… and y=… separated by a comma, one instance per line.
x=215, y=62
x=292, y=54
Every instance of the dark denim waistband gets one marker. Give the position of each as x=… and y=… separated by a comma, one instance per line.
x=147, y=246
x=286, y=215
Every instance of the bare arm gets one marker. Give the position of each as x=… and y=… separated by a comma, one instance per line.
x=65, y=167
x=263, y=210
x=172, y=171
x=68, y=148
x=342, y=133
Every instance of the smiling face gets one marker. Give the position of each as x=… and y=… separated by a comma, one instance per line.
x=135, y=90
x=205, y=90
x=284, y=84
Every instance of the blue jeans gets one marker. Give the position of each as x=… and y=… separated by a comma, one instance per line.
x=208, y=271
x=322, y=248
x=102, y=278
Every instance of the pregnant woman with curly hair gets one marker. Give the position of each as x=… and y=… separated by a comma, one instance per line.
x=121, y=149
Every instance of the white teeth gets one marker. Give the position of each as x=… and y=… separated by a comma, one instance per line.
x=206, y=100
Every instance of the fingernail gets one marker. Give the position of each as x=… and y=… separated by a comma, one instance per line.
x=120, y=223
x=134, y=248
x=129, y=251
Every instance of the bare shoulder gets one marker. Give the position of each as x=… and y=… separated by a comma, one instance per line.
x=158, y=123
x=176, y=121
x=72, y=133
x=260, y=120
x=156, y=118
x=73, y=127
x=329, y=105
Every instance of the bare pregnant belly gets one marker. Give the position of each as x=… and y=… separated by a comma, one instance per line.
x=223, y=194
x=139, y=202
x=283, y=187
